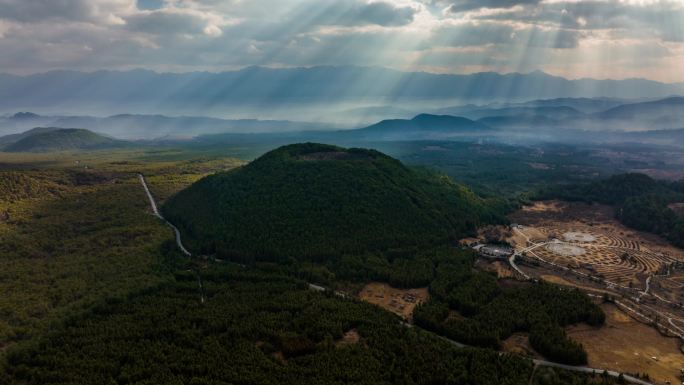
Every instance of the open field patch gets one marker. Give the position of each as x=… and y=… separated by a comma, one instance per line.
x=398, y=301
x=565, y=250
x=628, y=346
x=587, y=237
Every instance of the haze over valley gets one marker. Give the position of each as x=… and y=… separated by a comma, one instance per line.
x=403, y=192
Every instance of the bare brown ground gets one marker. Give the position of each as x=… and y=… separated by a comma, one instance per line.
x=677, y=208
x=616, y=252
x=628, y=346
x=399, y=301
x=454, y=315
x=519, y=343
x=278, y=356
x=563, y=282
x=620, y=255
x=502, y=270
x=349, y=338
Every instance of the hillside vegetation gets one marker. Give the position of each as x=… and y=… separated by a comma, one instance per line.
x=317, y=202
x=96, y=291
x=61, y=140
x=253, y=328
x=490, y=313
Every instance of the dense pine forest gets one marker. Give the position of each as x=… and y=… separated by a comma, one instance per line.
x=201, y=321
x=255, y=327
x=330, y=202
x=488, y=314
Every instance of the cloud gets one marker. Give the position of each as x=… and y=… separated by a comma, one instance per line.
x=468, y=5
x=457, y=35
x=170, y=21
x=490, y=33
x=384, y=14
x=74, y=10
x=354, y=13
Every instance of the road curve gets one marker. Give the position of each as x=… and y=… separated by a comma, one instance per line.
x=156, y=212
x=587, y=370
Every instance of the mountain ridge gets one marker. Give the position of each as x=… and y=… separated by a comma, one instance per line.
x=61, y=139
x=311, y=84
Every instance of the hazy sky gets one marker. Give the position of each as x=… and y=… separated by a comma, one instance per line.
x=578, y=38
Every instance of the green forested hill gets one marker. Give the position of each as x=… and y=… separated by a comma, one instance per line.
x=62, y=139
x=317, y=202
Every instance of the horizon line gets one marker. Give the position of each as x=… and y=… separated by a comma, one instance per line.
x=275, y=68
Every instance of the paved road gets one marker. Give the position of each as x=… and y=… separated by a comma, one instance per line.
x=582, y=369
x=156, y=212
x=511, y=261
x=179, y=241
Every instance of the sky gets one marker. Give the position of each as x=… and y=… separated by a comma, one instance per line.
x=576, y=38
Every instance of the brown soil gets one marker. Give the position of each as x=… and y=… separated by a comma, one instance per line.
x=349, y=338
x=519, y=343
x=628, y=346
x=678, y=208
x=561, y=281
x=611, y=250
x=502, y=270
x=280, y=357
x=398, y=301
x=454, y=315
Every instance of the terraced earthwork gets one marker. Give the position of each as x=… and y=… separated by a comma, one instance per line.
x=600, y=246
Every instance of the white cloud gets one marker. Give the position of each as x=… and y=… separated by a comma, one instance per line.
x=443, y=35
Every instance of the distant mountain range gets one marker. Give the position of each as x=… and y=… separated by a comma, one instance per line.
x=547, y=120
x=266, y=86
x=50, y=139
x=424, y=126
x=134, y=127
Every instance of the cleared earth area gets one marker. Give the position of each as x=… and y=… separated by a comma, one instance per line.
x=398, y=301
x=628, y=346
x=587, y=238
x=638, y=275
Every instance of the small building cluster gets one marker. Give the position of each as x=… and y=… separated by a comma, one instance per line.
x=495, y=251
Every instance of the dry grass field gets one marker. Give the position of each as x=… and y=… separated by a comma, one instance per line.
x=519, y=343
x=626, y=345
x=399, y=301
